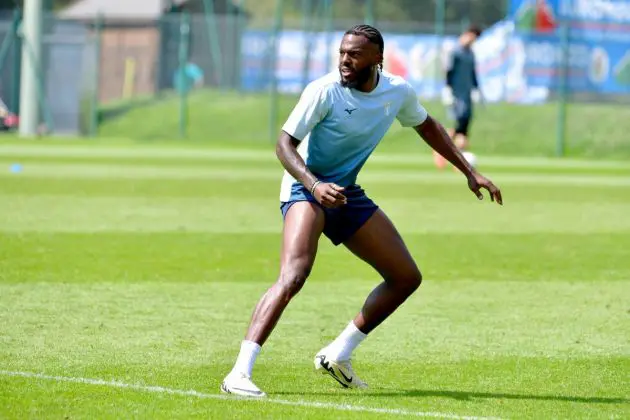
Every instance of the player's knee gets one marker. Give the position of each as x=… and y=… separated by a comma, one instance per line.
x=409, y=282
x=415, y=280
x=292, y=278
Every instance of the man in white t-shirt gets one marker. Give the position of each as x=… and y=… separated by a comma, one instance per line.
x=338, y=121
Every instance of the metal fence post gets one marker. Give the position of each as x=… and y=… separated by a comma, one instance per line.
x=16, y=71
x=98, y=29
x=307, y=25
x=440, y=13
x=563, y=90
x=273, y=115
x=369, y=12
x=41, y=112
x=239, y=25
x=213, y=40
x=184, y=32
x=31, y=34
x=328, y=19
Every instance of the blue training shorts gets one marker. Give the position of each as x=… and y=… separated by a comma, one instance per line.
x=343, y=222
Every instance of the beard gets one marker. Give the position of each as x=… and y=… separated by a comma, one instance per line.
x=360, y=77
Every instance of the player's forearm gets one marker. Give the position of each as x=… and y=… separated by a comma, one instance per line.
x=435, y=136
x=286, y=150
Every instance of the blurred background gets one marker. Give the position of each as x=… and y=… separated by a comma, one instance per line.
x=556, y=73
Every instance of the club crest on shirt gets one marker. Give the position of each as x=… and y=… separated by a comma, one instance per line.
x=387, y=105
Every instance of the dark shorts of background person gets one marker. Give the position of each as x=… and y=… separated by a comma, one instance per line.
x=340, y=223
x=462, y=113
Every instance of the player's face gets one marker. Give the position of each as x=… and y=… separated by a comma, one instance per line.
x=357, y=58
x=469, y=38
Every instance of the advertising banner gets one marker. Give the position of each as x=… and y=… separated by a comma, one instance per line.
x=518, y=60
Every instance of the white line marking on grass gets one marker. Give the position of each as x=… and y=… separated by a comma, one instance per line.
x=196, y=394
x=268, y=155
x=373, y=176
x=145, y=152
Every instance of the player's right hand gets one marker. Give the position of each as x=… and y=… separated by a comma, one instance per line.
x=330, y=195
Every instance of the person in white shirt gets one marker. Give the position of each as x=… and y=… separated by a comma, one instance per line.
x=338, y=121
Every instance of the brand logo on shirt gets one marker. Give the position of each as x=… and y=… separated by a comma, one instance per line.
x=350, y=110
x=387, y=105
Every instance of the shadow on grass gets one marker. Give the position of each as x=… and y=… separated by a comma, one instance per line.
x=466, y=396
x=119, y=109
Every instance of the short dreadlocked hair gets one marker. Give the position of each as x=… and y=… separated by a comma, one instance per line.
x=372, y=34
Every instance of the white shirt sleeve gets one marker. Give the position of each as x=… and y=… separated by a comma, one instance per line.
x=412, y=113
x=310, y=110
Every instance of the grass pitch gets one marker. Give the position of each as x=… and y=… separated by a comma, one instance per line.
x=128, y=274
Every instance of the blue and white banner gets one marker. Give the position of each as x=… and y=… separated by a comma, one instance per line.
x=518, y=60
x=593, y=20
x=591, y=67
x=597, y=43
x=418, y=58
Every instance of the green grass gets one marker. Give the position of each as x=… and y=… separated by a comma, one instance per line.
x=593, y=130
x=129, y=266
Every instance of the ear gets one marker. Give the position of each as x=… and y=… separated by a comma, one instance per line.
x=379, y=58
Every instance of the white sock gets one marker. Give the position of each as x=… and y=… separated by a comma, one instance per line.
x=246, y=357
x=344, y=345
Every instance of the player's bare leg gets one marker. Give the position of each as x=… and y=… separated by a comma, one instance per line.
x=303, y=226
x=379, y=244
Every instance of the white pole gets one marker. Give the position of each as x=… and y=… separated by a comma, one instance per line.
x=31, y=57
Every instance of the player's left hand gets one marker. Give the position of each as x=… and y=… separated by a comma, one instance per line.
x=476, y=182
